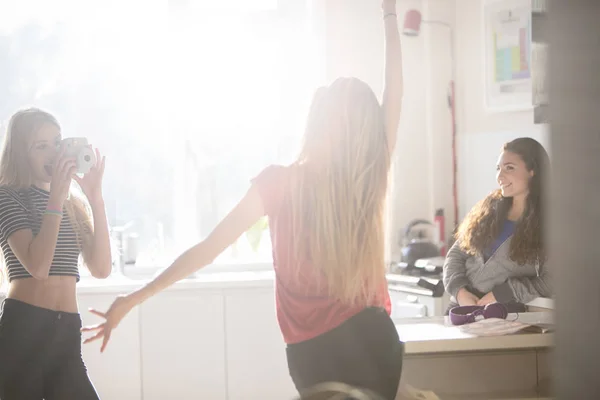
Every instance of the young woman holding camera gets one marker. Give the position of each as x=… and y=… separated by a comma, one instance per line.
x=44, y=228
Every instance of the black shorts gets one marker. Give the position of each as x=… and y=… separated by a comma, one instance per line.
x=364, y=352
x=40, y=355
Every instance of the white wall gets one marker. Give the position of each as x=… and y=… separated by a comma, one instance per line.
x=437, y=38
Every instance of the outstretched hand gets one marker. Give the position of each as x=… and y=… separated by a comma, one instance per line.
x=116, y=312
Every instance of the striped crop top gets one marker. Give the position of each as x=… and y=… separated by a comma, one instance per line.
x=24, y=209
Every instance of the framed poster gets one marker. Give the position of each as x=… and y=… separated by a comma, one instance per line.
x=507, y=52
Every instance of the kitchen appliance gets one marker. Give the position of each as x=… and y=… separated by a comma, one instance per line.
x=417, y=246
x=415, y=283
x=440, y=224
x=417, y=296
x=430, y=266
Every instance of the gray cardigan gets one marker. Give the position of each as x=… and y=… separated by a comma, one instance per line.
x=507, y=280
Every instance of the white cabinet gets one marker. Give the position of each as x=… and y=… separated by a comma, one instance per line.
x=408, y=305
x=116, y=373
x=192, y=343
x=255, y=350
x=183, y=346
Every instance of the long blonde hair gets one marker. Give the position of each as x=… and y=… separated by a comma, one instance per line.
x=338, y=192
x=15, y=171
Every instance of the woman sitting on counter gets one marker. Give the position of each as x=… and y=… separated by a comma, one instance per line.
x=499, y=253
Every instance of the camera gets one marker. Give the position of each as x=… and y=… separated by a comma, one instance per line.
x=79, y=149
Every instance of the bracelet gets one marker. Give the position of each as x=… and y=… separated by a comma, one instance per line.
x=54, y=208
x=53, y=212
x=389, y=15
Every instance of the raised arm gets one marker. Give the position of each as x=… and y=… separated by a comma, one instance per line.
x=394, y=87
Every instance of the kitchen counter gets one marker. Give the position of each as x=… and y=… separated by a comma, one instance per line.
x=542, y=303
x=212, y=278
x=117, y=283
x=203, y=280
x=437, y=335
x=456, y=365
x=234, y=312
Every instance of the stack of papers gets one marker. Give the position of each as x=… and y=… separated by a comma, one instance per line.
x=500, y=327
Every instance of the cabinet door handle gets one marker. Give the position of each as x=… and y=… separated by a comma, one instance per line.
x=412, y=299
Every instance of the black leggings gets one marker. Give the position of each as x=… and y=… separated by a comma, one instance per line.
x=40, y=355
x=364, y=352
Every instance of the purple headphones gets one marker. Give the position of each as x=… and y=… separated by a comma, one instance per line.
x=466, y=314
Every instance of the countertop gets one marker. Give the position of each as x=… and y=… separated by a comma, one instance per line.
x=118, y=283
x=542, y=302
x=437, y=335
x=204, y=280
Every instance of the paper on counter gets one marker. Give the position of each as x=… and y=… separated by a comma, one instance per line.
x=493, y=327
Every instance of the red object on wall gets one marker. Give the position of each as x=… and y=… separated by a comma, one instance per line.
x=440, y=225
x=454, y=153
x=412, y=23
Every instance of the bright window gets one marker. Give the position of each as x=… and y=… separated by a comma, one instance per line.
x=187, y=103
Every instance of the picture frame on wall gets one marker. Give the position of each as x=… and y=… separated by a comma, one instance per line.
x=507, y=55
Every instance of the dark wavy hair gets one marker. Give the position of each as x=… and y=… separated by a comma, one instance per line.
x=484, y=222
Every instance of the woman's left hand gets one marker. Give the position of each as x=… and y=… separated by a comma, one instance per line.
x=487, y=299
x=116, y=312
x=91, y=183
